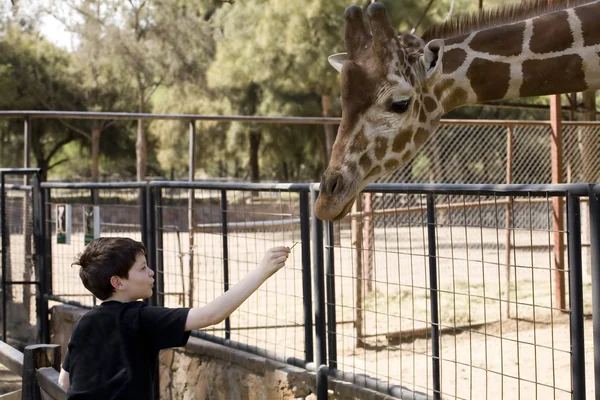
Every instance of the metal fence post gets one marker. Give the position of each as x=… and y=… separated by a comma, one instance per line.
x=94, y=201
x=160, y=272
x=4, y=247
x=319, y=291
x=306, y=276
x=433, y=290
x=151, y=236
x=143, y=201
x=330, y=284
x=34, y=357
x=576, y=297
x=39, y=237
x=47, y=269
x=594, y=205
x=225, y=256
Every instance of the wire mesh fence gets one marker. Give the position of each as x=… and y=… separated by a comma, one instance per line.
x=492, y=295
x=17, y=238
x=230, y=232
x=121, y=214
x=448, y=292
x=482, y=151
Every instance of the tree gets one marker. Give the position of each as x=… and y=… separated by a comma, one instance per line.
x=139, y=39
x=35, y=72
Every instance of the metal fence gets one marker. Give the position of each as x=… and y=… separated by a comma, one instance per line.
x=24, y=312
x=498, y=152
x=432, y=304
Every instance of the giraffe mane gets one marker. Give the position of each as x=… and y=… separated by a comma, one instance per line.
x=493, y=17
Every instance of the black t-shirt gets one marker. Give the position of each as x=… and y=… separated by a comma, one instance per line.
x=113, y=351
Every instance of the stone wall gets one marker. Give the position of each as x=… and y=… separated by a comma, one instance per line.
x=205, y=370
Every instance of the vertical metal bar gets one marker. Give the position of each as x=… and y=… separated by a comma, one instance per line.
x=508, y=216
x=39, y=238
x=160, y=272
x=4, y=249
x=94, y=201
x=330, y=282
x=356, y=228
x=319, y=292
x=594, y=206
x=144, y=223
x=26, y=143
x=368, y=239
x=225, y=256
x=306, y=276
x=191, y=214
x=150, y=243
x=433, y=290
x=576, y=297
x=27, y=223
x=191, y=152
x=47, y=271
x=558, y=223
x=151, y=236
x=322, y=383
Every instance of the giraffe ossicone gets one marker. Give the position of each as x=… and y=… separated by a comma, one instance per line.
x=396, y=88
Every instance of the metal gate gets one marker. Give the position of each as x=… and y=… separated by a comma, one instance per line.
x=24, y=313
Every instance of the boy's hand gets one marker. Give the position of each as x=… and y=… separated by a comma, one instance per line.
x=275, y=259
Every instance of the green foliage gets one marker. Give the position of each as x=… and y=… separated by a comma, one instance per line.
x=254, y=57
x=35, y=75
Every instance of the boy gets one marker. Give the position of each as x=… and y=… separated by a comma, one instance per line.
x=113, y=351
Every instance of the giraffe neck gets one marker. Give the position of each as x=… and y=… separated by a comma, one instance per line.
x=554, y=53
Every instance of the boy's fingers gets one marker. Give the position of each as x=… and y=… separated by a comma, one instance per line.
x=280, y=248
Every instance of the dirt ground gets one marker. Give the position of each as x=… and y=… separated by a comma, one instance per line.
x=524, y=356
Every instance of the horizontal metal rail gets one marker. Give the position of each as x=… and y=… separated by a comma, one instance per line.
x=98, y=185
x=246, y=225
x=535, y=190
x=184, y=117
x=11, y=358
x=19, y=171
x=251, y=119
x=265, y=187
x=446, y=207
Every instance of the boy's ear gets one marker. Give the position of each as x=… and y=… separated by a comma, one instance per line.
x=116, y=282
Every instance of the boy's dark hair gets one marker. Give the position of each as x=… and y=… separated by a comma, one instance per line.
x=105, y=257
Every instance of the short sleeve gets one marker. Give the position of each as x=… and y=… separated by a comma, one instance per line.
x=65, y=363
x=164, y=327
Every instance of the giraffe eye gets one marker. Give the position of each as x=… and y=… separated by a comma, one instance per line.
x=399, y=106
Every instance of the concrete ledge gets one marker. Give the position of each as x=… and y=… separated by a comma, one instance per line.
x=204, y=369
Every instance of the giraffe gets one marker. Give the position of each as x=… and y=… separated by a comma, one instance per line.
x=395, y=88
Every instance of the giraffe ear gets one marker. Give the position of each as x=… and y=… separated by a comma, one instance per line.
x=432, y=57
x=338, y=60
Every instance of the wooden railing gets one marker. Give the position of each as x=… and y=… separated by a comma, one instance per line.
x=38, y=366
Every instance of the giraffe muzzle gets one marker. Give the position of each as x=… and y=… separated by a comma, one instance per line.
x=336, y=196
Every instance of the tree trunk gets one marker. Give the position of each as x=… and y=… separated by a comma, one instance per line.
x=96, y=154
x=254, y=138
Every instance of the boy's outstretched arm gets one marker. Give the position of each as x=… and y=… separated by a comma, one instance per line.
x=220, y=308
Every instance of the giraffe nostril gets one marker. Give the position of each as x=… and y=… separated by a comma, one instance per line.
x=333, y=184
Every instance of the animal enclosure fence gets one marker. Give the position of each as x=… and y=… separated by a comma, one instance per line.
x=433, y=318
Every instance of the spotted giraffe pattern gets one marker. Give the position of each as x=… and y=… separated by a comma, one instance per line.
x=555, y=52
x=552, y=53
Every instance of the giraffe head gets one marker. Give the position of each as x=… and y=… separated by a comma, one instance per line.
x=388, y=106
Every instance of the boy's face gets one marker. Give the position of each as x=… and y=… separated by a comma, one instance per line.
x=140, y=282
